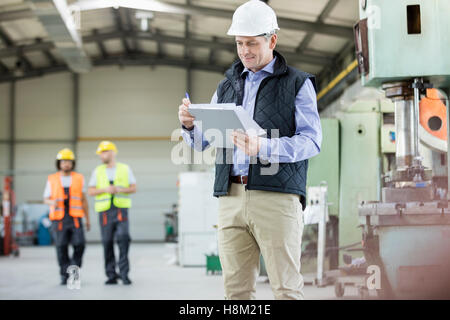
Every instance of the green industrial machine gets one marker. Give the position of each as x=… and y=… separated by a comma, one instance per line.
x=325, y=166
x=356, y=150
x=403, y=39
x=366, y=145
x=402, y=47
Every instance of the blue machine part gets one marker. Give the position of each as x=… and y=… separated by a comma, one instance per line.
x=43, y=232
x=421, y=184
x=392, y=136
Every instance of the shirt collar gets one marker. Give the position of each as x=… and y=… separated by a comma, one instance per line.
x=268, y=68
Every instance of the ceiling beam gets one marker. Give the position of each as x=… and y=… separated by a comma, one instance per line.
x=36, y=72
x=295, y=24
x=120, y=27
x=331, y=70
x=139, y=59
x=3, y=68
x=134, y=59
x=212, y=53
x=160, y=46
x=46, y=52
x=15, y=50
x=218, y=44
x=226, y=44
x=323, y=15
x=100, y=45
x=51, y=59
x=131, y=27
x=17, y=15
x=194, y=10
x=5, y=38
x=22, y=60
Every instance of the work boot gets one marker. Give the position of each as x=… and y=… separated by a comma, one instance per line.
x=126, y=280
x=111, y=281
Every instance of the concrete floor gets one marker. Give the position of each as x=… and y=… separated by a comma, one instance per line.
x=34, y=275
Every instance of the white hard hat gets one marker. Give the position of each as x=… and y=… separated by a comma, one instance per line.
x=253, y=18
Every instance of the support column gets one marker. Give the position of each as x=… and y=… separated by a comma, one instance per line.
x=76, y=110
x=188, y=77
x=189, y=90
x=12, y=127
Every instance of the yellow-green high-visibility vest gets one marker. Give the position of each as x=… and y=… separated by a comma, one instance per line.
x=103, y=200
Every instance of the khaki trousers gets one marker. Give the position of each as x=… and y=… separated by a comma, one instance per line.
x=254, y=222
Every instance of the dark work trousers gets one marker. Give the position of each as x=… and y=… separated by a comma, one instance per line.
x=64, y=233
x=114, y=226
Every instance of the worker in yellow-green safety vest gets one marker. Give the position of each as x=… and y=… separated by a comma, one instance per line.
x=111, y=183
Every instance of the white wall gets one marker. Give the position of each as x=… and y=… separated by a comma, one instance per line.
x=33, y=163
x=203, y=85
x=136, y=103
x=130, y=102
x=44, y=108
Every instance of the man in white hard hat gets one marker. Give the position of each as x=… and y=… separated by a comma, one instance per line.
x=112, y=183
x=260, y=211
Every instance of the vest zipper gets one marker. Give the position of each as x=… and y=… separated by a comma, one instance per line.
x=256, y=99
x=254, y=110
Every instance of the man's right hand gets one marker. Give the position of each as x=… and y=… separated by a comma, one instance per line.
x=186, y=119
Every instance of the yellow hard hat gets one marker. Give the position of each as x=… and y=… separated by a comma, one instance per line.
x=105, y=146
x=65, y=154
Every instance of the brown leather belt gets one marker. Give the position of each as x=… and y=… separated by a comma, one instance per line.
x=239, y=179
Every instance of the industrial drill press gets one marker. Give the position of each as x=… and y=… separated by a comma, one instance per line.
x=402, y=48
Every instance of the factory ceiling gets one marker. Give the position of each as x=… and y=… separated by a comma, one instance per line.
x=41, y=36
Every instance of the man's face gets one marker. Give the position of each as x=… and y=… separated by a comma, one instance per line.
x=66, y=165
x=255, y=52
x=107, y=156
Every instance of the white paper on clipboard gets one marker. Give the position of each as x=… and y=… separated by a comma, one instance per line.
x=223, y=118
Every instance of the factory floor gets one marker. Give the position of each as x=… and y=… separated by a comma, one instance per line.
x=34, y=275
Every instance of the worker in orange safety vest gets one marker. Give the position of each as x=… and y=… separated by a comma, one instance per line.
x=64, y=193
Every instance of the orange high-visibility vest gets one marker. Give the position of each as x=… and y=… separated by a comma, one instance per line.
x=75, y=194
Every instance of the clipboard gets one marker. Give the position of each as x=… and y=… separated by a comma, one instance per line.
x=217, y=121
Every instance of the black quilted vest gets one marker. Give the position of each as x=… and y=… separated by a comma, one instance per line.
x=274, y=109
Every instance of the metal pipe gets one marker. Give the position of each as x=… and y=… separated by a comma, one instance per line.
x=416, y=160
x=321, y=239
x=402, y=95
x=404, y=127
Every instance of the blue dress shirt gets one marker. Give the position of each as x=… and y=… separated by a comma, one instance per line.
x=304, y=144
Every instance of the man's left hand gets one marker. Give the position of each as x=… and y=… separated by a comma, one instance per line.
x=249, y=144
x=119, y=189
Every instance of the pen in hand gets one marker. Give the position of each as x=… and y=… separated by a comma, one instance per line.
x=185, y=117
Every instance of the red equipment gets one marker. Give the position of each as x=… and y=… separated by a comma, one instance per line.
x=9, y=203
